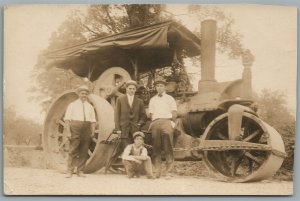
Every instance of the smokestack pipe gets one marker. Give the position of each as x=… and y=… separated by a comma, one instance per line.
x=208, y=95
x=208, y=49
x=208, y=56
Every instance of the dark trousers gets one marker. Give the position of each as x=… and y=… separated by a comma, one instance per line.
x=126, y=139
x=162, y=139
x=133, y=168
x=79, y=145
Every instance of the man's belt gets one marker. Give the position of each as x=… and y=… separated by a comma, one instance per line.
x=77, y=121
x=161, y=119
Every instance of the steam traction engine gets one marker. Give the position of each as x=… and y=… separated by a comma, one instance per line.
x=218, y=123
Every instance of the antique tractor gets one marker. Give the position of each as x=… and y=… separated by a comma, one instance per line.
x=217, y=124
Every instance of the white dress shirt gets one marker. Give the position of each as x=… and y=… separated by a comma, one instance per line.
x=130, y=99
x=80, y=111
x=162, y=107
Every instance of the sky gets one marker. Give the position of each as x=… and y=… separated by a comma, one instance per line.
x=270, y=34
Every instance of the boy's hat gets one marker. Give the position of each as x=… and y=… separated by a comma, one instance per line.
x=138, y=133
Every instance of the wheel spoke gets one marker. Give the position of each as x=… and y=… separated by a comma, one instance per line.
x=250, y=165
x=221, y=136
x=56, y=135
x=61, y=122
x=263, y=139
x=253, y=158
x=63, y=143
x=246, y=128
x=94, y=139
x=236, y=164
x=251, y=136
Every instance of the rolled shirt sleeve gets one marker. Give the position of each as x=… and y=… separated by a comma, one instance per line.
x=126, y=154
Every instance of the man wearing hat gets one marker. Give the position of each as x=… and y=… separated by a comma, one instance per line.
x=130, y=114
x=80, y=126
x=163, y=113
x=136, y=159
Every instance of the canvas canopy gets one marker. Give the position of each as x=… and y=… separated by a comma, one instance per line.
x=147, y=48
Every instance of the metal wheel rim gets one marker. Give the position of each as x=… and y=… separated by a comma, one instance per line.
x=270, y=164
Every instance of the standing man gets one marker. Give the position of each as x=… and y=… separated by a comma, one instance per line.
x=163, y=113
x=130, y=114
x=80, y=126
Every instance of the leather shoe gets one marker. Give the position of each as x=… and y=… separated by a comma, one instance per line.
x=80, y=174
x=169, y=167
x=150, y=177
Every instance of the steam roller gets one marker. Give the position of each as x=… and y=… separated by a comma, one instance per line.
x=217, y=124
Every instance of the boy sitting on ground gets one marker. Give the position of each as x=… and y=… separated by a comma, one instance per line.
x=136, y=159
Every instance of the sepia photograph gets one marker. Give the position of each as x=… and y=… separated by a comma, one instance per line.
x=149, y=99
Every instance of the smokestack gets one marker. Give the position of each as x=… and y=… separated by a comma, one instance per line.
x=208, y=95
x=208, y=56
x=208, y=49
x=248, y=60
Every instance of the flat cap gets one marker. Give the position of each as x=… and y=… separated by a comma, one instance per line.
x=138, y=133
x=131, y=82
x=160, y=81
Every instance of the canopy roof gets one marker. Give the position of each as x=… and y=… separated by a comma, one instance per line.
x=149, y=47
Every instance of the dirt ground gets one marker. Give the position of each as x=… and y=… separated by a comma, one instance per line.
x=29, y=181
x=25, y=173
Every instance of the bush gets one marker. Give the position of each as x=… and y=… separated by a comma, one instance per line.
x=273, y=110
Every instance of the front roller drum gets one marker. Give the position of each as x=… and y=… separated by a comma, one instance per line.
x=247, y=164
x=56, y=144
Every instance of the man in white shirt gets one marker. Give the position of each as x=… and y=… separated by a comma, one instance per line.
x=80, y=123
x=136, y=159
x=163, y=113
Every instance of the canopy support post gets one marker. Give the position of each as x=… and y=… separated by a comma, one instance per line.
x=134, y=62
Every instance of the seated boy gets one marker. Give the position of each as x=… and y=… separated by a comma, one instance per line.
x=135, y=158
